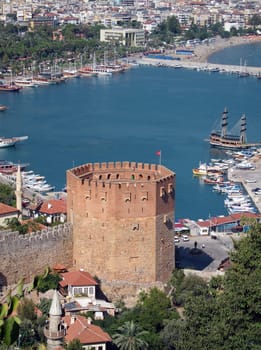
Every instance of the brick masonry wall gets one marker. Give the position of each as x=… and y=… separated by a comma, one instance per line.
x=24, y=256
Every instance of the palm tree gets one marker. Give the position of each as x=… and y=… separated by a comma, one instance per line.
x=130, y=337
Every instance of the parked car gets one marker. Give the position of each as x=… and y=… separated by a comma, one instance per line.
x=176, y=239
x=185, y=238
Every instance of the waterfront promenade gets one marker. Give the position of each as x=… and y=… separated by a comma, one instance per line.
x=199, y=60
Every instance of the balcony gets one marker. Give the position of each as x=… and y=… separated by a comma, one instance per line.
x=54, y=335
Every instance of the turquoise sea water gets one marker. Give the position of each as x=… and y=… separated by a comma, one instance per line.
x=129, y=117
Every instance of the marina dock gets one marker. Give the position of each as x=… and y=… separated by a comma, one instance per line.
x=250, y=179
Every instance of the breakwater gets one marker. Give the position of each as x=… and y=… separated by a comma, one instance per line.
x=202, y=66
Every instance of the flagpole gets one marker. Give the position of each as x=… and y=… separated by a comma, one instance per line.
x=160, y=158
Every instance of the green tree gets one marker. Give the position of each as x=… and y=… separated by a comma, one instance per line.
x=228, y=315
x=130, y=337
x=45, y=305
x=7, y=195
x=75, y=344
x=15, y=225
x=152, y=309
x=187, y=287
x=26, y=310
x=9, y=321
x=46, y=281
x=173, y=25
x=255, y=21
x=27, y=335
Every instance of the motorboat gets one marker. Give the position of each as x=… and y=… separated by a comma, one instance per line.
x=11, y=141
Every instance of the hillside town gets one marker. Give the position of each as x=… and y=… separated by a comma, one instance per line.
x=149, y=14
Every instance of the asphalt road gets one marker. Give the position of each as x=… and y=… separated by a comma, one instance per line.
x=205, y=259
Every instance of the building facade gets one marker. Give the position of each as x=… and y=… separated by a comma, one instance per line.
x=123, y=218
x=125, y=36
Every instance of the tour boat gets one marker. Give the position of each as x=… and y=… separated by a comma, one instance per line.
x=95, y=70
x=8, y=167
x=225, y=140
x=25, y=82
x=41, y=81
x=11, y=141
x=11, y=87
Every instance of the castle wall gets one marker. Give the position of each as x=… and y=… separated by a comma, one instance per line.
x=123, y=218
x=24, y=256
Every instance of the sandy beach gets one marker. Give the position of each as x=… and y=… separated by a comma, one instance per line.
x=202, y=52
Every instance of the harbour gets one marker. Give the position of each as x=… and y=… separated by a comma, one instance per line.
x=130, y=116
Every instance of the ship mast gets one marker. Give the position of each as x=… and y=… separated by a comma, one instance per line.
x=243, y=129
x=224, y=123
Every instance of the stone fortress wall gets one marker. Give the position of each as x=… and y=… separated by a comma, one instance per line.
x=123, y=218
x=24, y=256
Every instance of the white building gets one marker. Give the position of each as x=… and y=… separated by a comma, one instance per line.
x=125, y=36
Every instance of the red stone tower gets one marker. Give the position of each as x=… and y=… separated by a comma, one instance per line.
x=123, y=217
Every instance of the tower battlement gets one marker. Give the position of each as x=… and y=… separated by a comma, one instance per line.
x=123, y=171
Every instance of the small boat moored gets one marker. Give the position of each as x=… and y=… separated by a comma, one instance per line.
x=3, y=108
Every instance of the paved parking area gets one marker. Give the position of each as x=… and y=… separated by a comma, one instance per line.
x=208, y=258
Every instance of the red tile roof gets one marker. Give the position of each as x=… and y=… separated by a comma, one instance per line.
x=77, y=278
x=84, y=331
x=7, y=209
x=219, y=220
x=59, y=267
x=53, y=206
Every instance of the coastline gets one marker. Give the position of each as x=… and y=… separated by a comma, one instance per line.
x=202, y=52
x=198, y=58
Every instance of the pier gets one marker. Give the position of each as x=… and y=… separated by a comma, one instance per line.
x=241, y=175
x=201, y=66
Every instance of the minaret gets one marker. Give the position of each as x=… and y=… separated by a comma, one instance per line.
x=19, y=191
x=54, y=331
